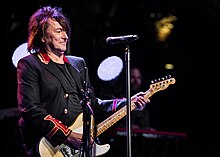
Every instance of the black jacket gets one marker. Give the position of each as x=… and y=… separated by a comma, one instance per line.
x=43, y=102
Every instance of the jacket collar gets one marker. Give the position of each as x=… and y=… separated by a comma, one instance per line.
x=46, y=59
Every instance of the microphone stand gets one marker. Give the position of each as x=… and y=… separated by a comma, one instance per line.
x=86, y=148
x=127, y=40
x=128, y=96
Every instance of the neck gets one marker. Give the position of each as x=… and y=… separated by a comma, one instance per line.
x=56, y=58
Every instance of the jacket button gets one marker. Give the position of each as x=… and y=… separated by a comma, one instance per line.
x=66, y=95
x=65, y=111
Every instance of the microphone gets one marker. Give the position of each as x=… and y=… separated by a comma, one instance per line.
x=121, y=39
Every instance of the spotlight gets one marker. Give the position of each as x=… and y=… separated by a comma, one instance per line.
x=20, y=52
x=110, y=68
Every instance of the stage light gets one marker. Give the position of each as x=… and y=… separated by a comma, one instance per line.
x=169, y=66
x=110, y=68
x=20, y=52
x=164, y=27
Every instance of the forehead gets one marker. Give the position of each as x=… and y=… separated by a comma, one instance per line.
x=53, y=24
x=135, y=71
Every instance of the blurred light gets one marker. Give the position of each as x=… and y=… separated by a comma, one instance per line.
x=169, y=66
x=110, y=68
x=164, y=27
x=20, y=52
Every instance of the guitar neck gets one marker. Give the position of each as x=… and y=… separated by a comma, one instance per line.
x=108, y=122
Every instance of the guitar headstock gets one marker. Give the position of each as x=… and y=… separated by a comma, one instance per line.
x=161, y=83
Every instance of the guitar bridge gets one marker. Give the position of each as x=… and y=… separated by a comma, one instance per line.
x=68, y=152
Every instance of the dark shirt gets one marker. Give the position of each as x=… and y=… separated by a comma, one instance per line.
x=74, y=100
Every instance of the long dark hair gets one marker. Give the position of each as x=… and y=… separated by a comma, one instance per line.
x=38, y=24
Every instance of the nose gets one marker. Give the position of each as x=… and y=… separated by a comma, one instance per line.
x=64, y=35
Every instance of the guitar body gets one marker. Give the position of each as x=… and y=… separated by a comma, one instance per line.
x=47, y=150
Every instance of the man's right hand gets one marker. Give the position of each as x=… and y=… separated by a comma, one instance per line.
x=74, y=139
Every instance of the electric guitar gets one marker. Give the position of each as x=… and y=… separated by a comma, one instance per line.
x=47, y=150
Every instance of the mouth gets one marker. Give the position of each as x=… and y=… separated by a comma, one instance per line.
x=63, y=43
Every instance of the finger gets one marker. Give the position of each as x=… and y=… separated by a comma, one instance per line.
x=141, y=102
x=139, y=105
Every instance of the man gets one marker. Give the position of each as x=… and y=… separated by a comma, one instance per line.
x=51, y=87
x=140, y=120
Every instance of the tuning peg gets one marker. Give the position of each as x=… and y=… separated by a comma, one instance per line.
x=161, y=79
x=169, y=76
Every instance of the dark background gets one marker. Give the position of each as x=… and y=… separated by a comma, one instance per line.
x=189, y=106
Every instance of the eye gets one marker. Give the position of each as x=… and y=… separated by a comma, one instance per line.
x=59, y=30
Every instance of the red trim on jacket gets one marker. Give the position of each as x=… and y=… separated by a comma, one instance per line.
x=58, y=126
x=45, y=58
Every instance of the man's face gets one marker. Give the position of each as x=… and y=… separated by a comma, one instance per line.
x=55, y=37
x=136, y=78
